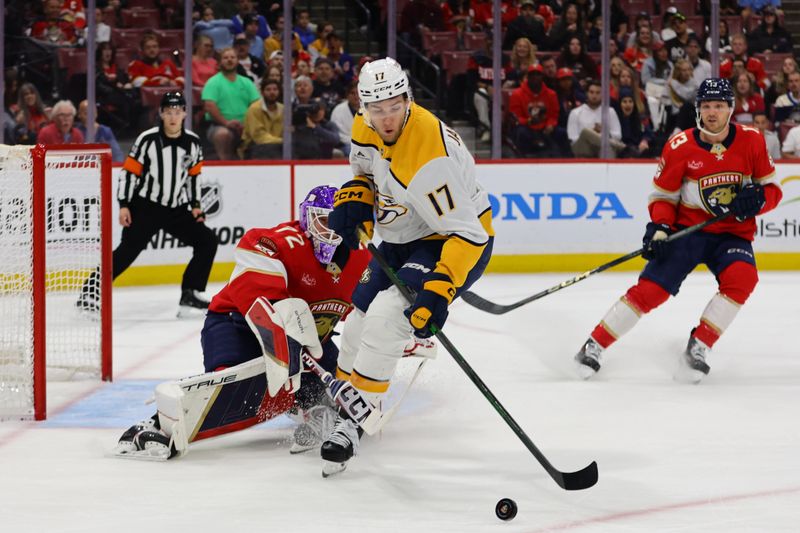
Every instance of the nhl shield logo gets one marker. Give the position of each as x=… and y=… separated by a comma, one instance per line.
x=718, y=191
x=211, y=198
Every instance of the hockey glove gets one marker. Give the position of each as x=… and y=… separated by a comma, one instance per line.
x=748, y=202
x=353, y=205
x=653, y=244
x=284, y=329
x=430, y=306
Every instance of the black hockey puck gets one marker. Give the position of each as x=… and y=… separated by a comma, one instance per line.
x=506, y=509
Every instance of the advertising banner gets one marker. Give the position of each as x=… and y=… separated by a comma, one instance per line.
x=234, y=198
x=579, y=211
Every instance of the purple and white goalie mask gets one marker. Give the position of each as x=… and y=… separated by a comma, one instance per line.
x=314, y=212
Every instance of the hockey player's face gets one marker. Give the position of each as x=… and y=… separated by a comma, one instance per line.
x=387, y=117
x=714, y=114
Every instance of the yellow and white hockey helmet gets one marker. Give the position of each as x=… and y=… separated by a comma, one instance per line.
x=382, y=79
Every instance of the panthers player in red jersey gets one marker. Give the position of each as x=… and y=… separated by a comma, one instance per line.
x=715, y=168
x=305, y=275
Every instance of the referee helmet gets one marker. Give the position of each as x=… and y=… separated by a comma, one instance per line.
x=172, y=99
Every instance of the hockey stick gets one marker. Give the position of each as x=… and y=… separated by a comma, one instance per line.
x=582, y=479
x=498, y=309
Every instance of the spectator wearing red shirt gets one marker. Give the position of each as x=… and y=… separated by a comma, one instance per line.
x=455, y=10
x=748, y=102
x=484, y=13
x=418, y=16
x=149, y=70
x=62, y=130
x=72, y=11
x=535, y=107
x=753, y=65
x=53, y=28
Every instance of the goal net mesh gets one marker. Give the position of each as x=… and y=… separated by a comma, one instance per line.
x=73, y=254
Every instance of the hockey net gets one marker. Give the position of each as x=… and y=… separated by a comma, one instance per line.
x=55, y=271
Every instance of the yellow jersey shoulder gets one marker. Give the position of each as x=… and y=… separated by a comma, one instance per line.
x=363, y=135
x=421, y=142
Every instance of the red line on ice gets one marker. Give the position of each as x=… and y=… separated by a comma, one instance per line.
x=575, y=524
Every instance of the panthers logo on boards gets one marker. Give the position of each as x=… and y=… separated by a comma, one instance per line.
x=718, y=191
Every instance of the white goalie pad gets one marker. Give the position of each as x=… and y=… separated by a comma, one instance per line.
x=183, y=405
x=171, y=415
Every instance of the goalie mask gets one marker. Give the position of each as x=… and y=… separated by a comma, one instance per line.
x=380, y=80
x=314, y=212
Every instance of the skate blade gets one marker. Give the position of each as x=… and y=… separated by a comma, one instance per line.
x=331, y=469
x=297, y=448
x=184, y=311
x=584, y=371
x=686, y=374
x=149, y=454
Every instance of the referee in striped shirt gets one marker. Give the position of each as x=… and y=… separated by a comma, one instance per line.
x=159, y=188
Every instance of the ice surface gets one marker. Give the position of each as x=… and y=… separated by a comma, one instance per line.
x=723, y=456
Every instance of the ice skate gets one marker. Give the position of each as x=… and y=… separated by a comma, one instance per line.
x=192, y=304
x=588, y=359
x=145, y=440
x=340, y=446
x=692, y=366
x=316, y=427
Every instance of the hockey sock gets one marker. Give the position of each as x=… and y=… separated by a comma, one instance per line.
x=736, y=283
x=625, y=313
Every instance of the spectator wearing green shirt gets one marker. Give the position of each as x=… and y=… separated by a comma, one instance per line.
x=226, y=97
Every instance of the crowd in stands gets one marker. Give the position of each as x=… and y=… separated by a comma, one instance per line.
x=551, y=67
x=549, y=76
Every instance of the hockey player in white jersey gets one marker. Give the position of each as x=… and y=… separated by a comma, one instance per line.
x=414, y=185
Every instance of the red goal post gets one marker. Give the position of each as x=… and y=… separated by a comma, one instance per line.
x=55, y=271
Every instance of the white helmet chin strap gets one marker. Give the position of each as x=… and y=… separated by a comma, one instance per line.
x=699, y=122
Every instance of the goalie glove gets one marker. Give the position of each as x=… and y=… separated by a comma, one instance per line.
x=430, y=305
x=353, y=205
x=284, y=329
x=653, y=244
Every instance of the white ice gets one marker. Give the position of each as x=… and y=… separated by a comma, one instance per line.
x=722, y=456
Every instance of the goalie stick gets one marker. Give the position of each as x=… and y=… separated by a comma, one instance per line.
x=581, y=479
x=498, y=309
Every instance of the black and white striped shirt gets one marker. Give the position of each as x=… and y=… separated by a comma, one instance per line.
x=163, y=170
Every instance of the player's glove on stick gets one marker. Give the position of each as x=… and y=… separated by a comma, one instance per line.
x=430, y=306
x=353, y=206
x=748, y=202
x=284, y=329
x=653, y=244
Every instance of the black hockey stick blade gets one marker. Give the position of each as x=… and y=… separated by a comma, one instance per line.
x=582, y=479
x=483, y=304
